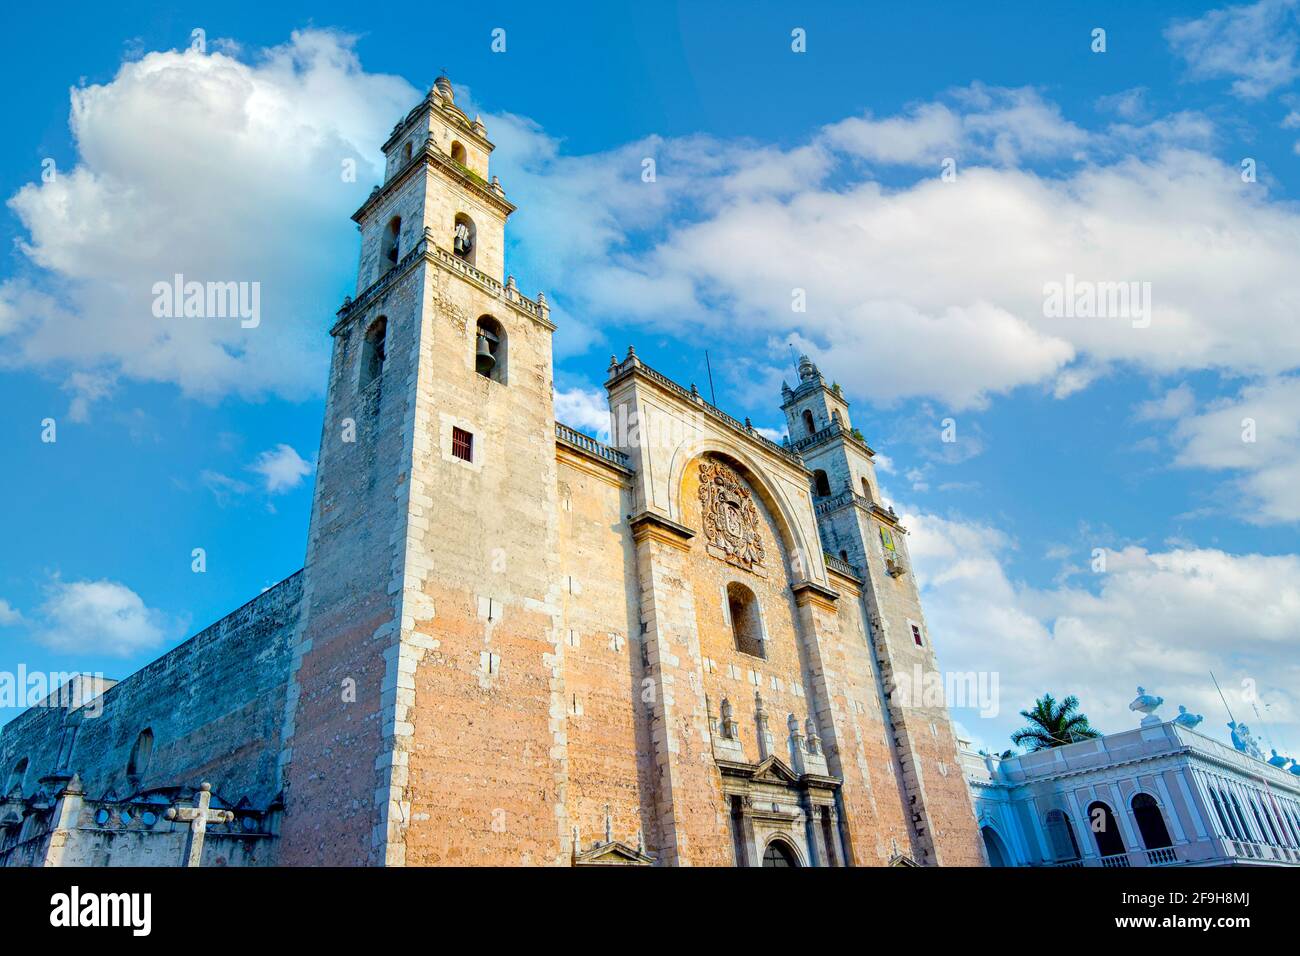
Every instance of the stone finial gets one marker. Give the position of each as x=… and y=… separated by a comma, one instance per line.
x=609, y=825
x=814, y=739
x=443, y=86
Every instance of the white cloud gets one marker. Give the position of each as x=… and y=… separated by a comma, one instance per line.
x=221, y=171
x=87, y=388
x=243, y=182
x=1256, y=434
x=586, y=409
x=1173, y=404
x=951, y=274
x=1257, y=45
x=100, y=617
x=1163, y=619
x=223, y=487
x=9, y=614
x=1128, y=104
x=987, y=124
x=282, y=468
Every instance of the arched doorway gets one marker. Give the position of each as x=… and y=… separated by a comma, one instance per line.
x=1105, y=830
x=1151, y=822
x=779, y=854
x=997, y=852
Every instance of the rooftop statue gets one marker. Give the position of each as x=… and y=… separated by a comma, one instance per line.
x=1186, y=719
x=1146, y=704
x=1244, y=740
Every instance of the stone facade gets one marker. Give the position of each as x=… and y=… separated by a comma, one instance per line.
x=512, y=644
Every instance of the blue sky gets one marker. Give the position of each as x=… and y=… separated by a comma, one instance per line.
x=775, y=170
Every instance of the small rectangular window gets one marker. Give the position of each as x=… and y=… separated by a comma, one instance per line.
x=462, y=444
x=916, y=635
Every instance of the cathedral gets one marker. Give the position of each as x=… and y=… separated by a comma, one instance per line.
x=511, y=644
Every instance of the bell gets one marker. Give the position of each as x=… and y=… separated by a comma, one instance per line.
x=484, y=360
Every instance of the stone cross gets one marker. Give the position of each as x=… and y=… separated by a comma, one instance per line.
x=198, y=818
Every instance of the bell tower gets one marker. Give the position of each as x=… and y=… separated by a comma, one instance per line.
x=424, y=679
x=858, y=528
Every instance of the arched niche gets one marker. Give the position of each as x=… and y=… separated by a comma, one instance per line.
x=796, y=557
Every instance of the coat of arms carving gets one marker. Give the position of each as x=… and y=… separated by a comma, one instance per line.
x=730, y=518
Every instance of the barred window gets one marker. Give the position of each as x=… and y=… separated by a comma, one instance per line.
x=462, y=444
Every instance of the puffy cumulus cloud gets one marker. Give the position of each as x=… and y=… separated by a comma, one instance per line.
x=219, y=170
x=583, y=218
x=100, y=617
x=282, y=469
x=808, y=245
x=952, y=275
x=228, y=170
x=1163, y=619
x=586, y=409
x=1255, y=434
x=1256, y=45
x=985, y=124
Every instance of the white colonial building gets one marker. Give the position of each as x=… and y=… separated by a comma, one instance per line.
x=1162, y=794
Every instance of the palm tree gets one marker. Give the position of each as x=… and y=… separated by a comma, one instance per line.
x=1053, y=725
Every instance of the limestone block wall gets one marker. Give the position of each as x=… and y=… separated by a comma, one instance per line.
x=859, y=751
x=608, y=731
x=480, y=741
x=440, y=208
x=332, y=761
x=214, y=705
x=406, y=201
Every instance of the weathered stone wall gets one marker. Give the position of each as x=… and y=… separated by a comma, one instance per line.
x=922, y=727
x=480, y=749
x=333, y=760
x=608, y=732
x=214, y=705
